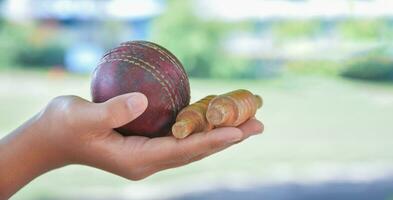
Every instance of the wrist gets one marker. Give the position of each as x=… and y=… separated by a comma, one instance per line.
x=24, y=155
x=44, y=141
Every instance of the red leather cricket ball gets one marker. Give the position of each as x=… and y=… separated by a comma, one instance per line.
x=141, y=66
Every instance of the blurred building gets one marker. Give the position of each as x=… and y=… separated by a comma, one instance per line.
x=295, y=9
x=106, y=23
x=137, y=13
x=87, y=26
x=326, y=45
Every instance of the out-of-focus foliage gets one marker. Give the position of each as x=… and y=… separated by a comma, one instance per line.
x=13, y=38
x=47, y=55
x=296, y=29
x=370, y=68
x=206, y=46
x=197, y=42
x=26, y=45
x=372, y=29
x=321, y=67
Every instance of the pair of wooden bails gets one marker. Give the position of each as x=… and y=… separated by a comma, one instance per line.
x=227, y=110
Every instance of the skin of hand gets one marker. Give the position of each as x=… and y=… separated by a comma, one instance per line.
x=71, y=130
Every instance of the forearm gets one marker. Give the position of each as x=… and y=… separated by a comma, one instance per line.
x=73, y=130
x=24, y=155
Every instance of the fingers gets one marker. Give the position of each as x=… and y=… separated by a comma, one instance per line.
x=157, y=154
x=201, y=143
x=174, y=152
x=251, y=127
x=117, y=111
x=198, y=146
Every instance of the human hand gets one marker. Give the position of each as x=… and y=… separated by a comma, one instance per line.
x=71, y=130
x=83, y=132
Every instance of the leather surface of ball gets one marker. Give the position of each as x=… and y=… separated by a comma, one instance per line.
x=141, y=66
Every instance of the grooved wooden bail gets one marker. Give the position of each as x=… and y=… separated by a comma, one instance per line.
x=183, y=128
x=220, y=113
x=192, y=119
x=259, y=101
x=233, y=108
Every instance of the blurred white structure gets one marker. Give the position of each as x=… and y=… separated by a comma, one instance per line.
x=77, y=21
x=321, y=47
x=255, y=45
x=224, y=9
x=269, y=9
x=81, y=9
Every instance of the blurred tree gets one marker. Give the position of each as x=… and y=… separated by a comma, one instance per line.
x=47, y=55
x=371, y=29
x=13, y=37
x=197, y=42
x=321, y=67
x=296, y=29
x=371, y=67
x=25, y=44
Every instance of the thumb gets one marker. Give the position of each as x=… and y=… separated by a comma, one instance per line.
x=121, y=110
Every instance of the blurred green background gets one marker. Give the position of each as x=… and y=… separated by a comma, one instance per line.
x=323, y=67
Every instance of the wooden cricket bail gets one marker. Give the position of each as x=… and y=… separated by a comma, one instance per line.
x=259, y=101
x=233, y=108
x=221, y=110
x=183, y=128
x=192, y=119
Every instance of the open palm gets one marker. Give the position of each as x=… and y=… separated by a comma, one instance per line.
x=86, y=136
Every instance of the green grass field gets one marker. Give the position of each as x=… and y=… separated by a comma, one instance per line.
x=317, y=128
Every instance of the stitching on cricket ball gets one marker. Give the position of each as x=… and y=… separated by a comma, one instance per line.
x=169, y=85
x=151, y=72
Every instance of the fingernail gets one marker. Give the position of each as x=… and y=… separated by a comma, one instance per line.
x=137, y=103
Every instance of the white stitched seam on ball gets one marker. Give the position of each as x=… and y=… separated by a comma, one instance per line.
x=162, y=76
x=165, y=54
x=162, y=53
x=168, y=55
x=155, y=76
x=180, y=72
x=121, y=56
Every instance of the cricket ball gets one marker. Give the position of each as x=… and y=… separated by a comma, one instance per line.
x=145, y=67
